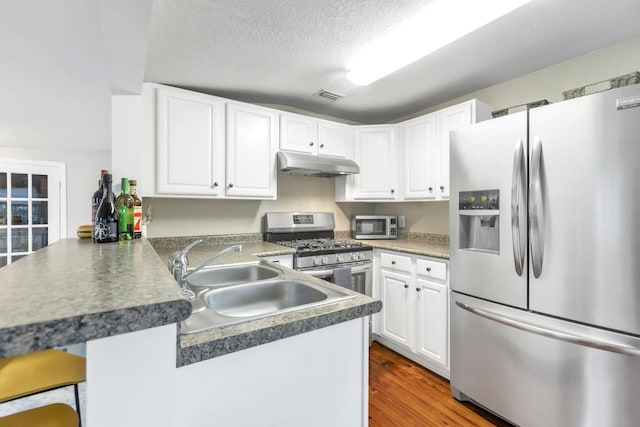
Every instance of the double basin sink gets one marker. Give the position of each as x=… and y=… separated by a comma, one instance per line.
x=241, y=292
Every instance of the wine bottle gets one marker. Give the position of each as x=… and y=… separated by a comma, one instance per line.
x=106, y=225
x=96, y=199
x=124, y=206
x=137, y=209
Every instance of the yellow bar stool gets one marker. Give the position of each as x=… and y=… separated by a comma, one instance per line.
x=55, y=415
x=41, y=371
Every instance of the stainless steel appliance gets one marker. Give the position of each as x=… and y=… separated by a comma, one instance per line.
x=545, y=318
x=374, y=227
x=346, y=263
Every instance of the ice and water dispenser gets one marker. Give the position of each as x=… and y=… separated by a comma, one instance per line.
x=479, y=213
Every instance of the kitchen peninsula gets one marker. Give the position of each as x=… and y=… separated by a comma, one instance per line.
x=121, y=300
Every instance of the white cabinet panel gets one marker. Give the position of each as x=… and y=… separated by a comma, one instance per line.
x=449, y=119
x=251, y=152
x=395, y=297
x=334, y=140
x=190, y=157
x=375, y=153
x=431, y=331
x=420, y=157
x=298, y=133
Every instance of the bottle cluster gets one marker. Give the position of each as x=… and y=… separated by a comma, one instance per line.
x=115, y=218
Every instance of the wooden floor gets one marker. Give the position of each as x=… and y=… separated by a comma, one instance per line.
x=403, y=393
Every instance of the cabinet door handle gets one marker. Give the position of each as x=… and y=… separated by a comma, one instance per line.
x=393, y=191
x=230, y=185
x=321, y=145
x=417, y=289
x=393, y=263
x=430, y=188
x=442, y=187
x=428, y=268
x=311, y=144
x=215, y=184
x=406, y=286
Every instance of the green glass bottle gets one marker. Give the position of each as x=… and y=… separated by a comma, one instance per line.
x=124, y=206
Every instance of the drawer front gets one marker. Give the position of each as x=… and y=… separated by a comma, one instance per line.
x=396, y=262
x=434, y=269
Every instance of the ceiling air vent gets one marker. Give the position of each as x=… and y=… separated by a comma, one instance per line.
x=332, y=96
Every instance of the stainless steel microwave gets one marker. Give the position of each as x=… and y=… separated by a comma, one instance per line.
x=374, y=227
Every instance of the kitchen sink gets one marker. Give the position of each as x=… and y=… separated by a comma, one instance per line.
x=231, y=275
x=258, y=299
x=240, y=293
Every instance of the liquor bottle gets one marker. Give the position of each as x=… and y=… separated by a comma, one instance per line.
x=137, y=209
x=96, y=199
x=124, y=206
x=106, y=225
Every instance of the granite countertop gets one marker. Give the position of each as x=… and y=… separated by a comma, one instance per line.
x=222, y=340
x=426, y=244
x=74, y=290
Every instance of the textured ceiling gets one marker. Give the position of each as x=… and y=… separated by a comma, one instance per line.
x=284, y=51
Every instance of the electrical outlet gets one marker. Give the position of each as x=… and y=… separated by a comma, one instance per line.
x=401, y=221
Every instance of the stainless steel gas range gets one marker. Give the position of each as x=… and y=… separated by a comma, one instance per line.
x=318, y=253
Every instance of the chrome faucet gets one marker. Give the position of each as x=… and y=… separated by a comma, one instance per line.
x=178, y=263
x=208, y=261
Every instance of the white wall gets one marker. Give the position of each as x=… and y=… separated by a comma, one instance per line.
x=548, y=83
x=55, y=102
x=189, y=217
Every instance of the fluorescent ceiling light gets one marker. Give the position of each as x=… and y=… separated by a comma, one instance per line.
x=438, y=24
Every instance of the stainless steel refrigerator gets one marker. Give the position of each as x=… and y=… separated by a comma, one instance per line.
x=545, y=263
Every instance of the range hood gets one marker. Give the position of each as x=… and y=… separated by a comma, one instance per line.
x=309, y=165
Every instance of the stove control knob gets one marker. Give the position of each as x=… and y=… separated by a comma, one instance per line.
x=354, y=256
x=339, y=258
x=325, y=260
x=317, y=261
x=361, y=256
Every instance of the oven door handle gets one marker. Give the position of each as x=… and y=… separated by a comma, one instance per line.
x=318, y=273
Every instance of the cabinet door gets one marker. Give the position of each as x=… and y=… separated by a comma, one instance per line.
x=449, y=119
x=298, y=133
x=334, y=140
x=252, y=138
x=190, y=158
x=396, y=316
x=375, y=153
x=420, y=158
x=431, y=333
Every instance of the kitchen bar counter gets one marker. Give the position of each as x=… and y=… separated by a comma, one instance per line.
x=228, y=339
x=74, y=291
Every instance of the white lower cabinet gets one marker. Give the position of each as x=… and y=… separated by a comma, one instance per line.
x=414, y=320
x=396, y=319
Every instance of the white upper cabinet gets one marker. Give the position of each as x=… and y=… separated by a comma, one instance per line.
x=425, y=141
x=449, y=119
x=201, y=146
x=420, y=157
x=375, y=151
x=335, y=139
x=252, y=137
x=298, y=133
x=190, y=144
x=312, y=136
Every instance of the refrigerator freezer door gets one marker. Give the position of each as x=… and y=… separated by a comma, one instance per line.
x=491, y=156
x=533, y=380
x=584, y=205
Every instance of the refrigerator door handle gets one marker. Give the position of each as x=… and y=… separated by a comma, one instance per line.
x=517, y=182
x=570, y=337
x=536, y=209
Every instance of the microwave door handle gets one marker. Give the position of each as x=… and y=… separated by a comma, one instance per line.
x=517, y=183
